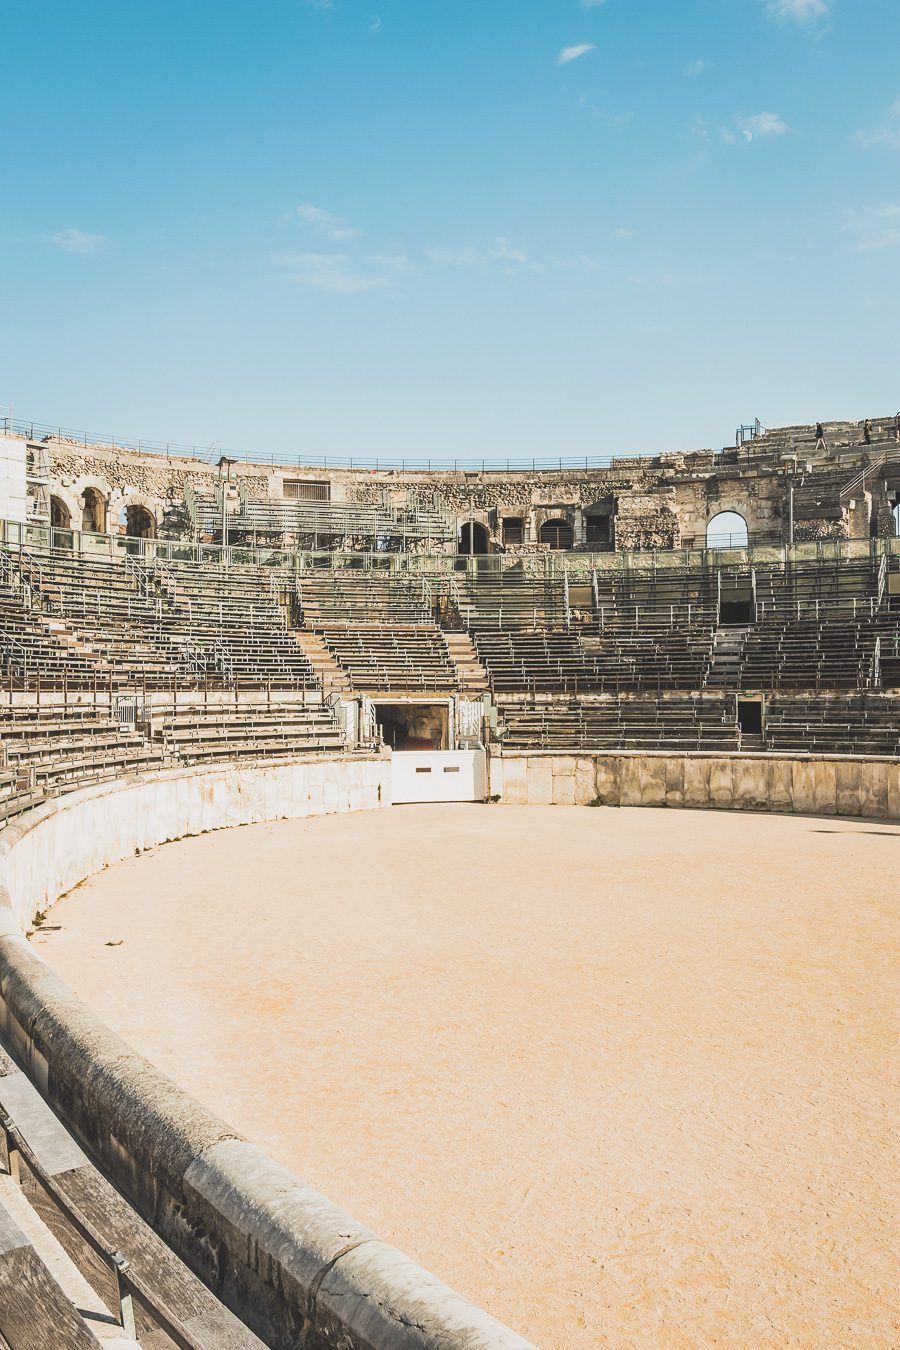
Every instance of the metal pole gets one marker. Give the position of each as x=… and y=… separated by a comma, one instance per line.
x=12, y=1152
x=126, y=1304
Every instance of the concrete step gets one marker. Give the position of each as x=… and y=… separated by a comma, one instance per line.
x=470, y=672
x=335, y=679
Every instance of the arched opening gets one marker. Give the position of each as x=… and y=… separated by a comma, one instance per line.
x=896, y=518
x=727, y=530
x=139, y=523
x=93, y=514
x=60, y=516
x=558, y=534
x=473, y=538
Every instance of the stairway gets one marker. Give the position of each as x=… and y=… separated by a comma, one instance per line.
x=725, y=659
x=470, y=672
x=334, y=679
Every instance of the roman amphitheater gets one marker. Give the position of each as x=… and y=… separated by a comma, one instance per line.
x=323, y=1023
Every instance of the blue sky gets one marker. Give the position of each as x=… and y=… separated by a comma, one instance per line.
x=453, y=227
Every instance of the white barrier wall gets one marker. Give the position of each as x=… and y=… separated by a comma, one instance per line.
x=71, y=837
x=438, y=775
x=13, y=488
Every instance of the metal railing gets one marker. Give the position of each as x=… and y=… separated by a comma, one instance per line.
x=40, y=432
x=36, y=539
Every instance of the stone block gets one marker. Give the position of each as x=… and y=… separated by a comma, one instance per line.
x=696, y=782
x=539, y=780
x=780, y=785
x=630, y=781
x=515, y=782
x=847, y=787
x=893, y=780
x=874, y=789
x=674, y=769
x=803, y=790
x=751, y=788
x=825, y=787
x=585, y=781
x=608, y=780
x=721, y=782
x=653, y=781
x=564, y=787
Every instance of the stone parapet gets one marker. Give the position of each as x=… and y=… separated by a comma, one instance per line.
x=801, y=784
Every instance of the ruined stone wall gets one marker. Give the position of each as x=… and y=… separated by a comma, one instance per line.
x=662, y=502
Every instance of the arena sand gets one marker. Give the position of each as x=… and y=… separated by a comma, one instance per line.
x=622, y=1077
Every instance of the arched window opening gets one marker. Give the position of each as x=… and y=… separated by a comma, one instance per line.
x=139, y=523
x=93, y=515
x=473, y=538
x=558, y=534
x=60, y=516
x=727, y=530
x=896, y=517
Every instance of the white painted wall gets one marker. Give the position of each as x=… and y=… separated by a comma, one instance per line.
x=50, y=849
x=438, y=775
x=13, y=489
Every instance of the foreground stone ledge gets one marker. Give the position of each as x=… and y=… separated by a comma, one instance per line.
x=299, y=1270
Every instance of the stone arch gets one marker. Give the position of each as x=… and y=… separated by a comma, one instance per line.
x=60, y=513
x=473, y=538
x=895, y=516
x=727, y=529
x=93, y=510
x=140, y=521
x=557, y=533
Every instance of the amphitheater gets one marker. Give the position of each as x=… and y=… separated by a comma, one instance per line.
x=596, y=1077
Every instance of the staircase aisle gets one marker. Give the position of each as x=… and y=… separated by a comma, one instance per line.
x=725, y=662
x=470, y=672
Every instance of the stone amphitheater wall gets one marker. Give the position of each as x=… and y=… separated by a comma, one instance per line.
x=801, y=784
x=297, y=1268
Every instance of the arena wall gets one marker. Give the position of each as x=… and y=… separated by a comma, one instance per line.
x=298, y=1269
x=802, y=784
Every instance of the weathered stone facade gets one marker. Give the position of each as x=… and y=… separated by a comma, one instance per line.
x=663, y=502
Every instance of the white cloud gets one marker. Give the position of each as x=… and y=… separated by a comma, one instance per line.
x=876, y=227
x=391, y=262
x=694, y=68
x=572, y=53
x=762, y=124
x=78, y=241
x=887, y=136
x=323, y=222
x=801, y=11
x=612, y=120
x=505, y=252
x=335, y=272
x=456, y=257
x=513, y=260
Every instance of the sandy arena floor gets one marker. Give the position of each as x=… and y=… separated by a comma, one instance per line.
x=622, y=1077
